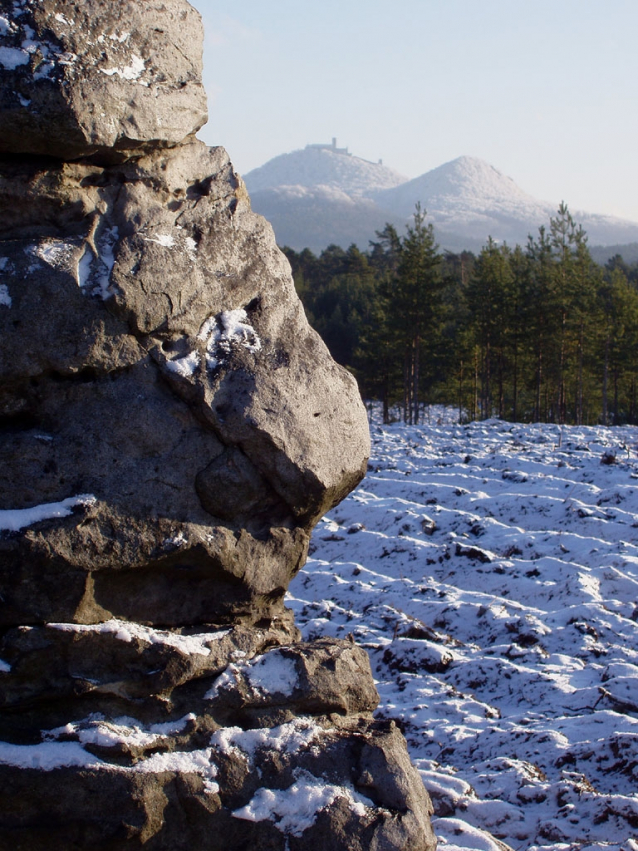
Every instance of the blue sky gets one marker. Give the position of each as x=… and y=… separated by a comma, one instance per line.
x=545, y=91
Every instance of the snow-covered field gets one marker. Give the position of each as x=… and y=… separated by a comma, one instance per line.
x=491, y=571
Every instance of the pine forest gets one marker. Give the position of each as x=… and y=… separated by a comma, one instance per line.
x=539, y=333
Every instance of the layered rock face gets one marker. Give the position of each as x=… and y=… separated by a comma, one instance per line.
x=170, y=431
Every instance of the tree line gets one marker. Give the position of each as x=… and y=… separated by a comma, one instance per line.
x=535, y=333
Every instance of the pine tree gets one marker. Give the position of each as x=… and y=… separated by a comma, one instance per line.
x=491, y=299
x=415, y=304
x=538, y=295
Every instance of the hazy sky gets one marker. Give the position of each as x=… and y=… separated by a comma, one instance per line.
x=545, y=91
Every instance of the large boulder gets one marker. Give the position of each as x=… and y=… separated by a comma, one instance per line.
x=154, y=356
x=171, y=429
x=96, y=78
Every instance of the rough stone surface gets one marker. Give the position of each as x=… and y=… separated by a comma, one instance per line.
x=208, y=805
x=171, y=429
x=210, y=452
x=95, y=78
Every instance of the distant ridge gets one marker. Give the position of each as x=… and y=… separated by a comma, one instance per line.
x=323, y=194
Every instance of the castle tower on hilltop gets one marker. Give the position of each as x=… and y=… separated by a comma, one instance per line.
x=332, y=147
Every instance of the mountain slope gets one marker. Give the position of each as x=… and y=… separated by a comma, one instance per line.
x=464, y=190
x=315, y=217
x=321, y=165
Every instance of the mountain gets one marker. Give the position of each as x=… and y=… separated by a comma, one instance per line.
x=322, y=194
x=464, y=187
x=470, y=197
x=324, y=165
x=628, y=251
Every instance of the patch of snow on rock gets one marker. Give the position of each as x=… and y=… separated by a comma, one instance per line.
x=270, y=673
x=12, y=57
x=96, y=730
x=85, y=264
x=185, y=366
x=14, y=519
x=47, y=756
x=54, y=252
x=128, y=631
x=94, y=273
x=185, y=762
x=286, y=738
x=273, y=673
x=106, y=247
x=129, y=72
x=295, y=809
x=164, y=239
x=220, y=333
x=46, y=54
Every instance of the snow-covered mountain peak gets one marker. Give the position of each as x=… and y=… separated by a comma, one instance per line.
x=467, y=184
x=324, y=165
x=473, y=176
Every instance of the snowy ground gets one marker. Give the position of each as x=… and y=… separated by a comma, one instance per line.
x=491, y=571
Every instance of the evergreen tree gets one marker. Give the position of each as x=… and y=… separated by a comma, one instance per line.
x=491, y=298
x=415, y=306
x=538, y=308
x=618, y=300
x=538, y=333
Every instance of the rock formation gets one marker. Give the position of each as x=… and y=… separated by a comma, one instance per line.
x=171, y=430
